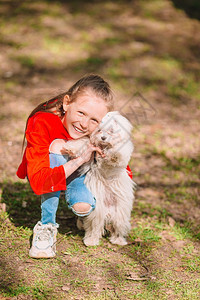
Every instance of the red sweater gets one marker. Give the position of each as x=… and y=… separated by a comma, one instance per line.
x=41, y=130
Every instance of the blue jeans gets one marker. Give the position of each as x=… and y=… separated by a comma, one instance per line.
x=76, y=192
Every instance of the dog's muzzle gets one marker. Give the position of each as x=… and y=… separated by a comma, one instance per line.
x=103, y=145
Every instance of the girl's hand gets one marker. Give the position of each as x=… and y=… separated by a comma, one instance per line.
x=88, y=151
x=86, y=154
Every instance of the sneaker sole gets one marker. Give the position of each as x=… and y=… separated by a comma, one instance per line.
x=41, y=255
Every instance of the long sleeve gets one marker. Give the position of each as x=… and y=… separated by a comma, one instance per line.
x=42, y=129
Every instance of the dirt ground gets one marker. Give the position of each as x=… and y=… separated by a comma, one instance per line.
x=149, y=53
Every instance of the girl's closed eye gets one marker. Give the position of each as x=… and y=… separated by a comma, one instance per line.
x=81, y=113
x=96, y=121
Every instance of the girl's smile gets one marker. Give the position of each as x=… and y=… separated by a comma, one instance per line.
x=79, y=130
x=84, y=114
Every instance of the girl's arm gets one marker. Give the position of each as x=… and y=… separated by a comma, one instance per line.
x=42, y=129
x=79, y=150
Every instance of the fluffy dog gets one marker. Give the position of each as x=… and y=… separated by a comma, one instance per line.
x=108, y=180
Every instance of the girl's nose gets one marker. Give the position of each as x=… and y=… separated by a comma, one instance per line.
x=84, y=123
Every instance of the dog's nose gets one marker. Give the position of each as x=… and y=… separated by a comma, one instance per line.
x=103, y=138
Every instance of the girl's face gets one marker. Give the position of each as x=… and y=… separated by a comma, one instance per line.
x=84, y=114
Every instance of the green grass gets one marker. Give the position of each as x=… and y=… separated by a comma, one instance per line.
x=182, y=232
x=183, y=86
x=144, y=233
x=39, y=291
x=56, y=46
x=26, y=61
x=83, y=266
x=17, y=291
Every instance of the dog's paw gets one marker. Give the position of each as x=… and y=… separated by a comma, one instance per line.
x=112, y=159
x=118, y=240
x=70, y=153
x=91, y=241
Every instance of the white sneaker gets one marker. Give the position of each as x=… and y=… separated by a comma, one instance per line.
x=44, y=240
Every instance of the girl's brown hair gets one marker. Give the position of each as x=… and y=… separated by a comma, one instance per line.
x=94, y=82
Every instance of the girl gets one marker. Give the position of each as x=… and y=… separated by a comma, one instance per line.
x=70, y=115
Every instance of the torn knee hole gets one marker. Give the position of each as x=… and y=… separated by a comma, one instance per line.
x=82, y=208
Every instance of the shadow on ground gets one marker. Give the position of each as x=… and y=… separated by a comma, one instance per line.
x=23, y=208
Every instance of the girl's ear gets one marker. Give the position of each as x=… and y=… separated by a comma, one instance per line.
x=66, y=101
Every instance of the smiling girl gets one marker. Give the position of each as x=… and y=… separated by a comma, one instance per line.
x=70, y=115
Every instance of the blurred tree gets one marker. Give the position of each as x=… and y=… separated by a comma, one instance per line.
x=191, y=7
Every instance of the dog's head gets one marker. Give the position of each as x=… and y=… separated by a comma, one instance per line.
x=113, y=132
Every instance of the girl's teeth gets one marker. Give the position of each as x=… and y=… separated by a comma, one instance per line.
x=78, y=130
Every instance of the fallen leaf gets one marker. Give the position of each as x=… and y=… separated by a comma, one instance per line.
x=3, y=207
x=137, y=278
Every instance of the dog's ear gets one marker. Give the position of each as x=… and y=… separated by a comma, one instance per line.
x=118, y=119
x=114, y=113
x=109, y=115
x=124, y=123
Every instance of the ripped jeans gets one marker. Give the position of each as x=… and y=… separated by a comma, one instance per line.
x=76, y=192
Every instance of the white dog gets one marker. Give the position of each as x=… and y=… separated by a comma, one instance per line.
x=108, y=180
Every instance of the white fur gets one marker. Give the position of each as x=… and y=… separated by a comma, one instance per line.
x=108, y=181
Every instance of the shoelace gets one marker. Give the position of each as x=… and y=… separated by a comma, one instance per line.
x=44, y=233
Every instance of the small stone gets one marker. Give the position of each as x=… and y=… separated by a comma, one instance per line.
x=24, y=204
x=65, y=288
x=8, y=74
x=171, y=221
